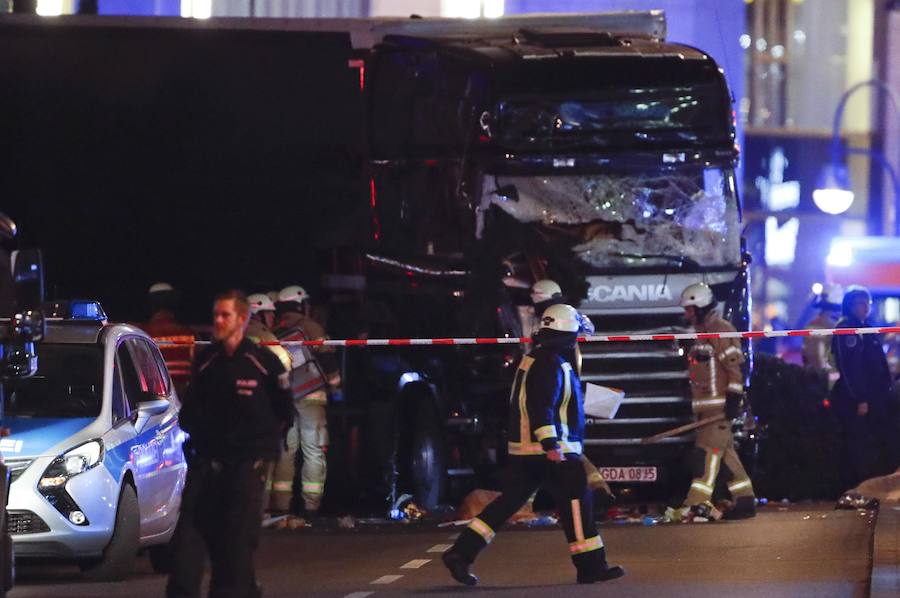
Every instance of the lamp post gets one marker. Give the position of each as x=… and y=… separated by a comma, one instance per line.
x=833, y=194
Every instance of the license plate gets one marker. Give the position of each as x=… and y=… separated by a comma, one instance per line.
x=628, y=474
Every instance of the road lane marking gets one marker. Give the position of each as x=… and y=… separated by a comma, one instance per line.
x=359, y=594
x=385, y=579
x=440, y=548
x=415, y=563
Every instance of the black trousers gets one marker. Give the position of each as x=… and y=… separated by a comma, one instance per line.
x=221, y=515
x=871, y=445
x=567, y=483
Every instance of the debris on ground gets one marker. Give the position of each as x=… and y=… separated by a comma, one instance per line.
x=853, y=500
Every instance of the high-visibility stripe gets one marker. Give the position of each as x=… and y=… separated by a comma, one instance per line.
x=739, y=485
x=576, y=520
x=524, y=421
x=545, y=432
x=524, y=448
x=588, y=545
x=735, y=387
x=712, y=468
x=703, y=404
x=313, y=487
x=701, y=487
x=596, y=477
x=564, y=406
x=482, y=529
x=282, y=486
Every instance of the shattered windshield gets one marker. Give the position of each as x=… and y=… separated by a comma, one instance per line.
x=682, y=217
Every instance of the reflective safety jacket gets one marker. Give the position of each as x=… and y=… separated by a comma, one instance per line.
x=714, y=366
x=545, y=409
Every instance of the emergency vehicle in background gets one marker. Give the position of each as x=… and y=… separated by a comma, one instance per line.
x=457, y=162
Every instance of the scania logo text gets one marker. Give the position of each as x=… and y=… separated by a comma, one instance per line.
x=630, y=292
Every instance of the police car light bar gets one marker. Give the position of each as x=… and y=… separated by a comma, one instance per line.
x=75, y=309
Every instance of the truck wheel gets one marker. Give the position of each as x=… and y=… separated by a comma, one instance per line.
x=429, y=463
x=161, y=558
x=118, y=557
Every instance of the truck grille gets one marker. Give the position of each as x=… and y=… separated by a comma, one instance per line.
x=25, y=522
x=653, y=375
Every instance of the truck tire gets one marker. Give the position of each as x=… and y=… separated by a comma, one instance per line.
x=119, y=555
x=161, y=558
x=428, y=459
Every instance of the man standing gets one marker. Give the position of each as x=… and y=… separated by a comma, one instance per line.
x=259, y=329
x=546, y=429
x=312, y=375
x=862, y=395
x=236, y=409
x=717, y=387
x=176, y=340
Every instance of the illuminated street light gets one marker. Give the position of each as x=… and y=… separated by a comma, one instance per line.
x=833, y=195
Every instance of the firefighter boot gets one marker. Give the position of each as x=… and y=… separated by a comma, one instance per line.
x=601, y=571
x=744, y=508
x=458, y=566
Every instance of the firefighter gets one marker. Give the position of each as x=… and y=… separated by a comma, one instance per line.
x=259, y=329
x=545, y=293
x=176, y=340
x=235, y=411
x=313, y=374
x=545, y=440
x=817, y=349
x=861, y=397
x=717, y=387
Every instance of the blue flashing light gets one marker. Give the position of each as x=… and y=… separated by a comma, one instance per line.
x=86, y=310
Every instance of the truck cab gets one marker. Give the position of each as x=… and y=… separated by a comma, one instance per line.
x=601, y=158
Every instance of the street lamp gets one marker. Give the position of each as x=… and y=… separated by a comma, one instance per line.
x=833, y=194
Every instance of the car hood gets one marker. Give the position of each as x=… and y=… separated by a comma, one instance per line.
x=35, y=436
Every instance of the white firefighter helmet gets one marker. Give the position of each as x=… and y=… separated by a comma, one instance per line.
x=260, y=302
x=831, y=297
x=561, y=317
x=544, y=290
x=160, y=287
x=293, y=293
x=698, y=295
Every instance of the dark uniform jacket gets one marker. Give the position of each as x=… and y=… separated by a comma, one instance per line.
x=545, y=409
x=865, y=376
x=237, y=406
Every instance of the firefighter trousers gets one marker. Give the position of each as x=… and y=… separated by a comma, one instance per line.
x=567, y=483
x=309, y=434
x=220, y=507
x=714, y=453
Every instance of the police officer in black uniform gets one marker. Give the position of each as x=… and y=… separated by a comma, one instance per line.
x=862, y=397
x=546, y=428
x=236, y=411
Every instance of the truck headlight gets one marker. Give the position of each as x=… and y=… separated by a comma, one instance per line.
x=71, y=463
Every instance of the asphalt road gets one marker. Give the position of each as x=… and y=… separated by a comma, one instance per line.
x=801, y=551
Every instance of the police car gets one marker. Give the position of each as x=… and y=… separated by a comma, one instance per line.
x=95, y=450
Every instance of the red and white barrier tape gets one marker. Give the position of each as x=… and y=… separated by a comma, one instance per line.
x=597, y=338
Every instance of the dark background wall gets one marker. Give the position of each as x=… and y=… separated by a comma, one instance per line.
x=207, y=158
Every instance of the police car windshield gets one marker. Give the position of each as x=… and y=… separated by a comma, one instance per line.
x=678, y=218
x=68, y=383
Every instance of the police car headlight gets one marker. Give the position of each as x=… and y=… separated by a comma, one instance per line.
x=71, y=463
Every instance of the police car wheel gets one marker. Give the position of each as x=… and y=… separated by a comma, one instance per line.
x=119, y=556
